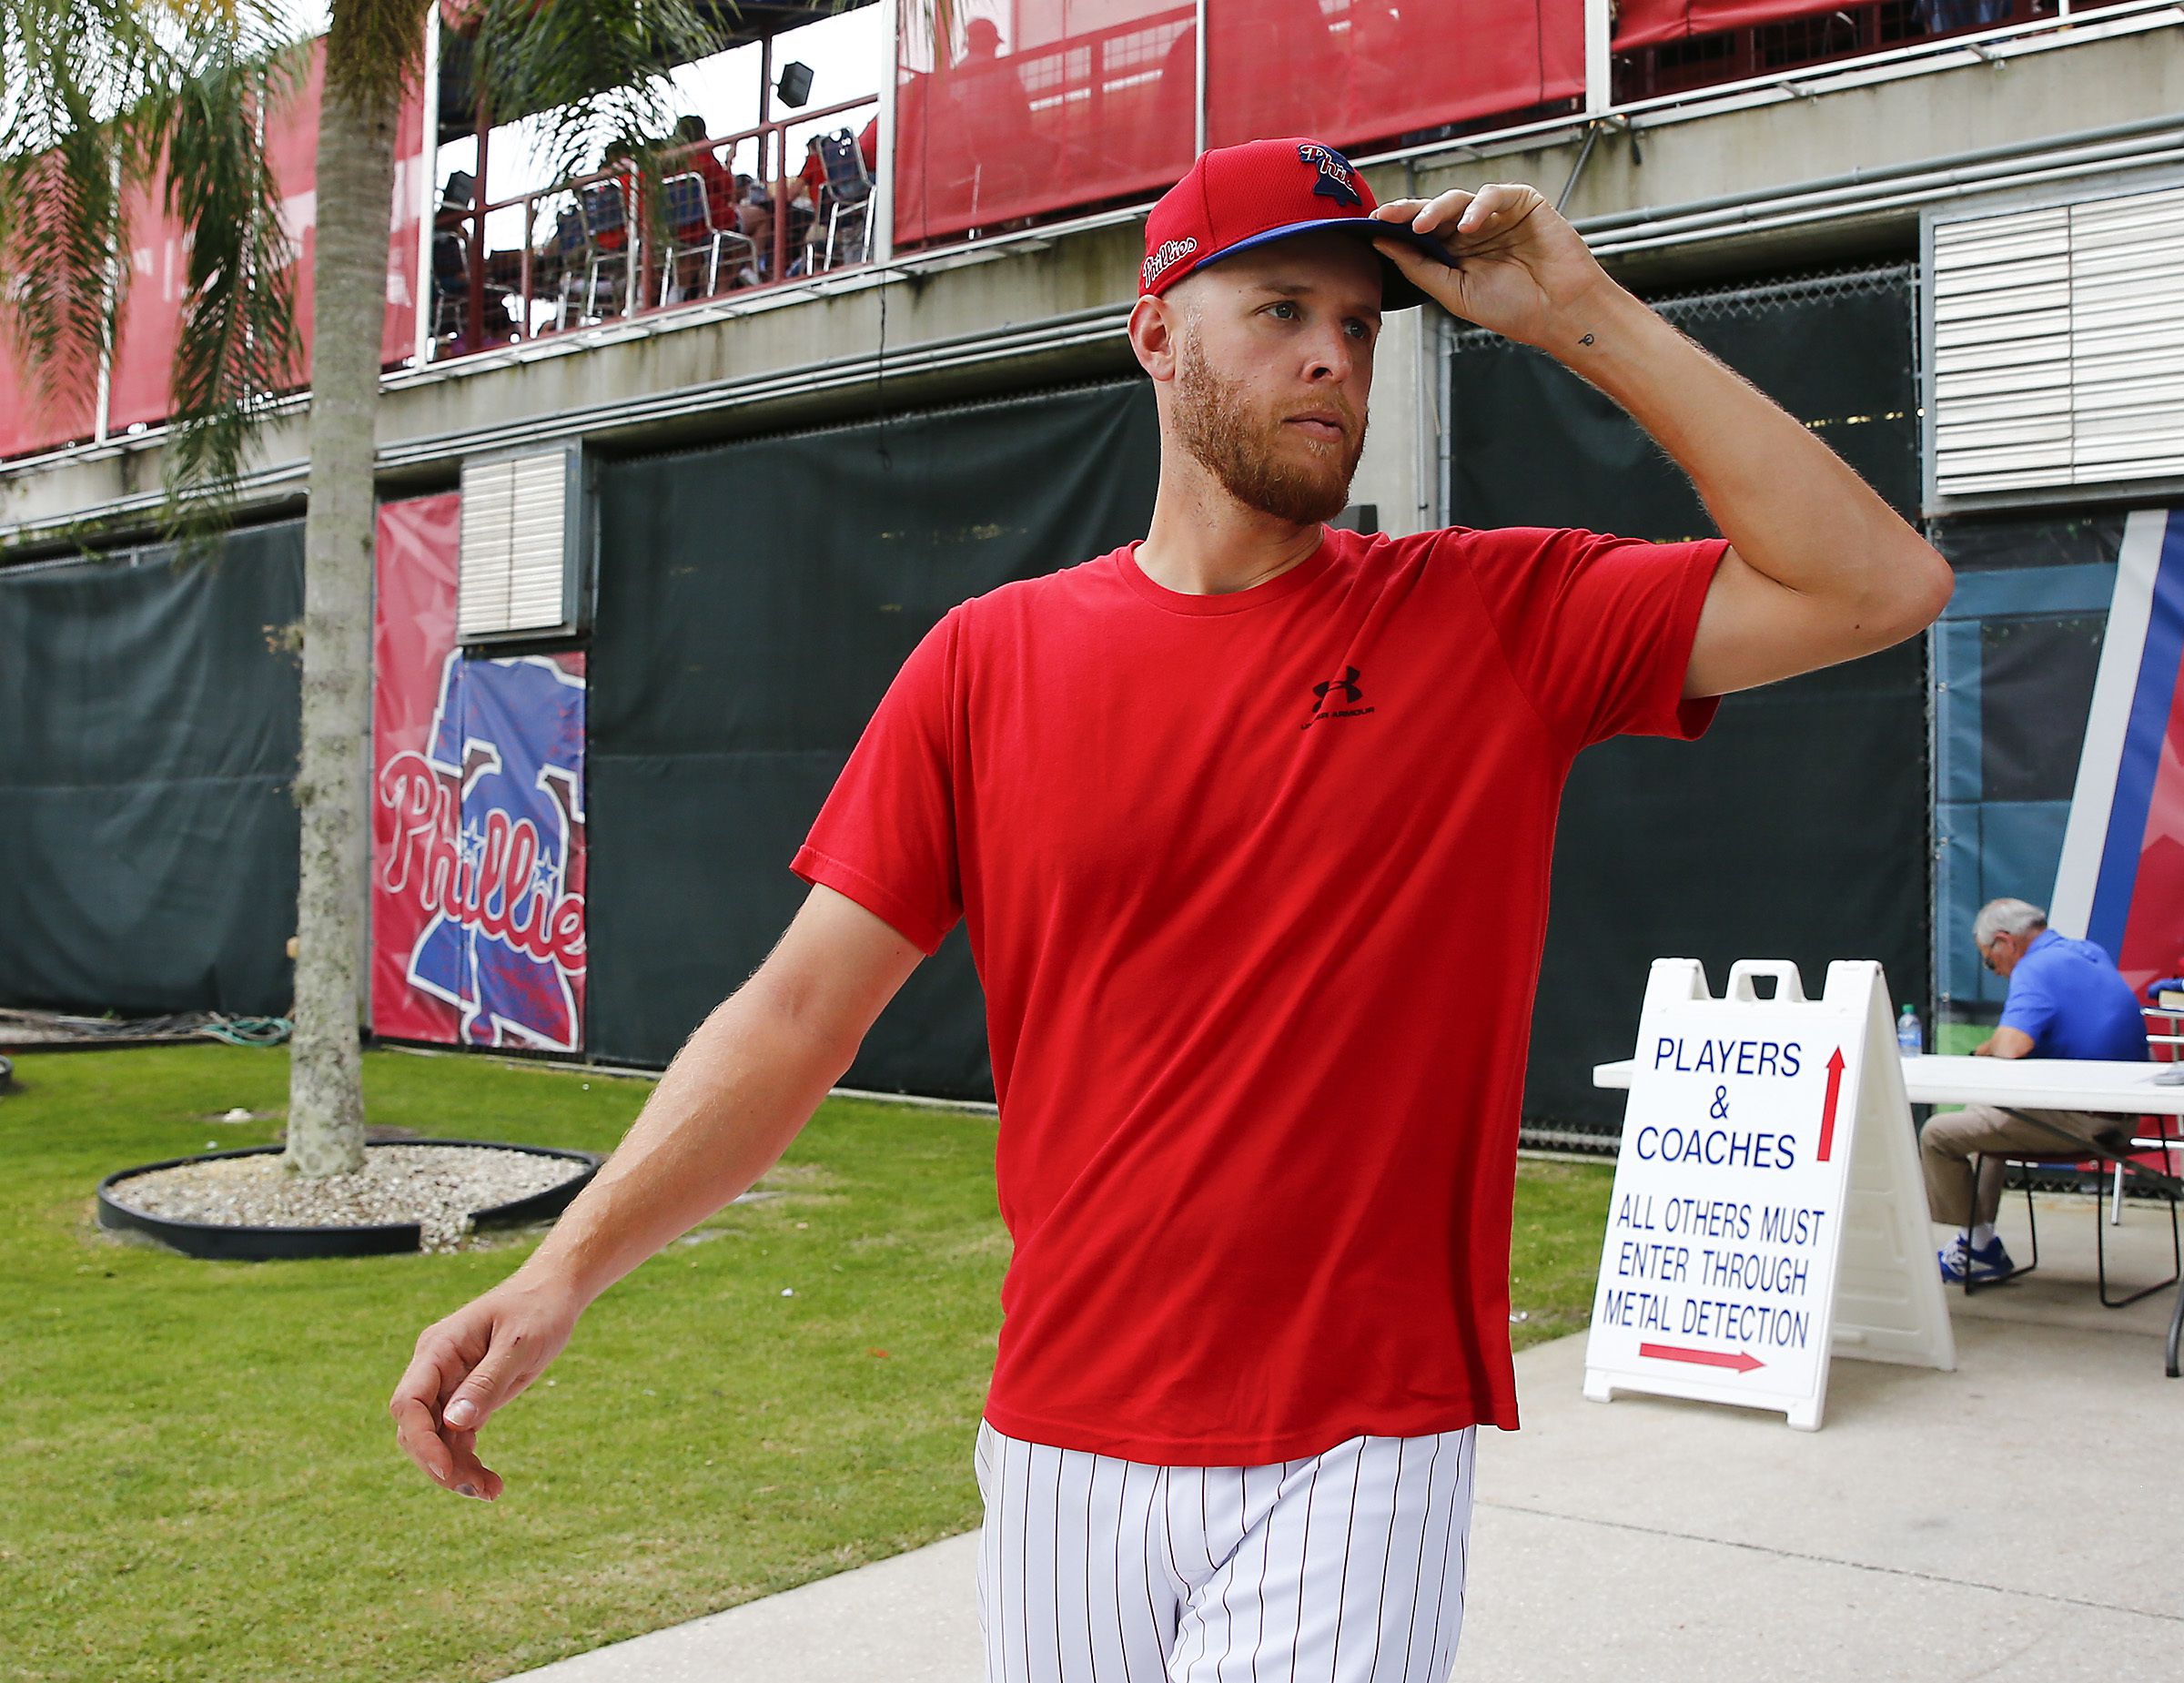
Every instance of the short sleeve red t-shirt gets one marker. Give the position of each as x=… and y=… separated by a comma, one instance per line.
x=1256, y=884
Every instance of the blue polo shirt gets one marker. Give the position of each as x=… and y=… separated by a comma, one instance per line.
x=2074, y=1002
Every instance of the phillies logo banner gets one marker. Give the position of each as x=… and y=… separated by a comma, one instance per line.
x=478, y=831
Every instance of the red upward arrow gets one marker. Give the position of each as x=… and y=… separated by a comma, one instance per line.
x=1743, y=1360
x=1827, y=1106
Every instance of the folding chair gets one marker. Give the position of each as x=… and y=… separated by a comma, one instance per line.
x=571, y=248
x=606, y=231
x=450, y=283
x=2164, y=1044
x=451, y=286
x=849, y=201
x=2134, y=1162
x=691, y=231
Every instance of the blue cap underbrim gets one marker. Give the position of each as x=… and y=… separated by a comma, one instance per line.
x=1396, y=290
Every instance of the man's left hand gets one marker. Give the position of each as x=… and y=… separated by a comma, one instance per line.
x=1515, y=266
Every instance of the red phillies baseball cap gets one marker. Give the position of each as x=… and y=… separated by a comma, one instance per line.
x=1238, y=196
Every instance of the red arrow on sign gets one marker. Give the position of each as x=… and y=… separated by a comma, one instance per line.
x=1828, y=1105
x=1743, y=1360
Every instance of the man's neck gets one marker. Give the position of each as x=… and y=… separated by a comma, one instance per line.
x=1203, y=543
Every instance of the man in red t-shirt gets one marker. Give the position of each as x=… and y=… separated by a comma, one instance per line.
x=1248, y=824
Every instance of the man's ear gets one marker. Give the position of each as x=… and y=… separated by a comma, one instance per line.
x=1153, y=326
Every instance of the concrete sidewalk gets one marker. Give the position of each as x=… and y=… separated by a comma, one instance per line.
x=2020, y=1520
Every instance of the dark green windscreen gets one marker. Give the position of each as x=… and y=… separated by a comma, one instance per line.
x=1797, y=826
x=147, y=742
x=755, y=599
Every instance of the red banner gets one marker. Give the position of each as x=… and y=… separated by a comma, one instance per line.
x=29, y=422
x=477, y=814
x=151, y=320
x=1356, y=72
x=1090, y=102
x=150, y=327
x=1648, y=22
x=1055, y=105
x=150, y=324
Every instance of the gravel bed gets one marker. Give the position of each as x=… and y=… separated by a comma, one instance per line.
x=436, y=1186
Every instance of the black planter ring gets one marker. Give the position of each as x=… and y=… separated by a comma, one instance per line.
x=220, y=1241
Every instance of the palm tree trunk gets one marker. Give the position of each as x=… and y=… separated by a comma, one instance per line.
x=355, y=198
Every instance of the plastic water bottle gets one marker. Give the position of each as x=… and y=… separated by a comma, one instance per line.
x=1910, y=1038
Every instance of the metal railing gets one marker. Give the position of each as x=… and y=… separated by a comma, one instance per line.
x=592, y=233
x=1692, y=63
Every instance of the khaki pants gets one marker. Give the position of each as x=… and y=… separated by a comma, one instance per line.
x=1951, y=1140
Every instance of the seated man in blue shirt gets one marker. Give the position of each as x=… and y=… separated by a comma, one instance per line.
x=2066, y=1000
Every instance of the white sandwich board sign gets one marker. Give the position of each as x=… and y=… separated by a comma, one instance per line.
x=1768, y=1208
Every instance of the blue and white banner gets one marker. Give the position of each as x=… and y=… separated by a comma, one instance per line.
x=2120, y=879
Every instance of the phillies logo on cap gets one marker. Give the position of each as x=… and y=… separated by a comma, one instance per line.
x=1171, y=252
x=1335, y=181
x=1242, y=197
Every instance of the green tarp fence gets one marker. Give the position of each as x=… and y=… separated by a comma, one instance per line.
x=148, y=718
x=1797, y=827
x=755, y=598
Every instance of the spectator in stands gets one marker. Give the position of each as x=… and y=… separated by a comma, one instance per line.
x=812, y=176
x=551, y=267
x=614, y=238
x=807, y=191
x=981, y=42
x=754, y=209
x=2066, y=1000
x=704, y=162
x=992, y=118
x=756, y=215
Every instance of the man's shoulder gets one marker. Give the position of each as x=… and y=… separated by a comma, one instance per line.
x=1432, y=541
x=1008, y=601
x=1391, y=553
x=2070, y=949
x=2068, y=965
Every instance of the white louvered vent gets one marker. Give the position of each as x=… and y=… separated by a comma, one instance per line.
x=522, y=520
x=2058, y=345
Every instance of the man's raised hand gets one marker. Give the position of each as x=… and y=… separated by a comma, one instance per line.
x=466, y=1365
x=1515, y=265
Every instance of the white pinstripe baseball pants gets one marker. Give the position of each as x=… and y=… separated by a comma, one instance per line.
x=1346, y=1566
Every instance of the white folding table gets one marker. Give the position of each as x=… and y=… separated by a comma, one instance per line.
x=2026, y=1083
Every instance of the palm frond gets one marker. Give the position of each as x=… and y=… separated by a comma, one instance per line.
x=64, y=71
x=238, y=342
x=593, y=71
x=99, y=100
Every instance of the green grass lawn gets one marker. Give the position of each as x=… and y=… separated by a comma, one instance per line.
x=200, y=1478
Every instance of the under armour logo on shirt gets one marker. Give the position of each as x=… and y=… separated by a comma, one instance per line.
x=1347, y=683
